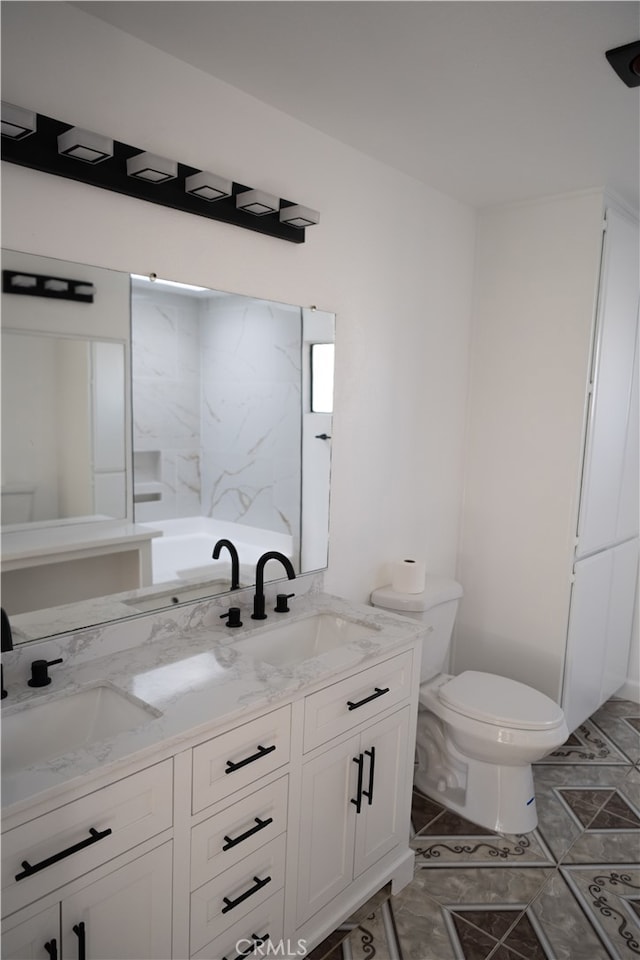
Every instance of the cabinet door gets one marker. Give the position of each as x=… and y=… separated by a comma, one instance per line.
x=327, y=827
x=26, y=939
x=384, y=817
x=607, y=514
x=600, y=628
x=126, y=914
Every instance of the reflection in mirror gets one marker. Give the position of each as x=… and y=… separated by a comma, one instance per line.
x=216, y=435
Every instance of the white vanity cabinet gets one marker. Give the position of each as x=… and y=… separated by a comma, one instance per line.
x=261, y=831
x=355, y=793
x=93, y=878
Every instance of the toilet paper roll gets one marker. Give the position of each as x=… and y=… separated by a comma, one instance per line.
x=408, y=576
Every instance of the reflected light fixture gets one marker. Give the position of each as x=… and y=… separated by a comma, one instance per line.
x=85, y=145
x=257, y=202
x=17, y=123
x=208, y=186
x=299, y=216
x=153, y=169
x=626, y=62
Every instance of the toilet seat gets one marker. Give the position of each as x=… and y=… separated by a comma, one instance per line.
x=500, y=701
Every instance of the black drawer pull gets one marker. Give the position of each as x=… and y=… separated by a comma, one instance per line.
x=358, y=801
x=262, y=752
x=260, y=825
x=251, y=949
x=374, y=696
x=28, y=870
x=52, y=949
x=78, y=929
x=259, y=884
x=369, y=793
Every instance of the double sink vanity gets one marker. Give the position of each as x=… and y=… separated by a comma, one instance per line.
x=185, y=789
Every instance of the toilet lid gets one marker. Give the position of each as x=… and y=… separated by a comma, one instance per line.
x=498, y=700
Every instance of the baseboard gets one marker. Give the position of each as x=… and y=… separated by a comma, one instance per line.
x=629, y=691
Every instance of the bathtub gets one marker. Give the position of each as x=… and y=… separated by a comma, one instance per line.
x=183, y=552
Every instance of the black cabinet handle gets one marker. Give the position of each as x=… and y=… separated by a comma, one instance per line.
x=52, y=949
x=262, y=752
x=258, y=885
x=28, y=870
x=372, y=759
x=258, y=943
x=358, y=801
x=78, y=929
x=374, y=696
x=260, y=825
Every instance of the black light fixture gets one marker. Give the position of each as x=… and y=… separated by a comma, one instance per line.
x=151, y=168
x=626, y=62
x=43, y=143
x=85, y=145
x=17, y=123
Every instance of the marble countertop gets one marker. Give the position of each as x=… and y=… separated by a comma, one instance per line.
x=195, y=677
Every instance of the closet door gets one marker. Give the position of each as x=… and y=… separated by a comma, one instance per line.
x=602, y=602
x=608, y=512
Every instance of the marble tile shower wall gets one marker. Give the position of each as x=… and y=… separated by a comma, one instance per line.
x=251, y=423
x=165, y=363
x=216, y=409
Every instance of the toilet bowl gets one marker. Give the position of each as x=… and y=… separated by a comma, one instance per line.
x=478, y=733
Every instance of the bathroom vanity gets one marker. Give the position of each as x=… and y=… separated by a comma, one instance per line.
x=236, y=785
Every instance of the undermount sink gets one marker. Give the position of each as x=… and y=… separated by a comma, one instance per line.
x=302, y=639
x=36, y=732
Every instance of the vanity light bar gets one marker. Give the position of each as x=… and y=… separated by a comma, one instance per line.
x=43, y=143
x=38, y=285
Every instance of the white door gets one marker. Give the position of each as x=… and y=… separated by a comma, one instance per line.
x=599, y=636
x=125, y=915
x=608, y=514
x=35, y=939
x=382, y=822
x=317, y=419
x=327, y=827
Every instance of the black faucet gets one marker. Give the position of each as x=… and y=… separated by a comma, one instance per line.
x=235, y=560
x=258, y=600
x=7, y=636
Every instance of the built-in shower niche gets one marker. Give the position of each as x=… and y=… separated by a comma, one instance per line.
x=147, y=485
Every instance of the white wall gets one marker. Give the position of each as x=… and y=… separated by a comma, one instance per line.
x=391, y=257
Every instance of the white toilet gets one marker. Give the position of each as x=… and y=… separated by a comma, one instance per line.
x=478, y=733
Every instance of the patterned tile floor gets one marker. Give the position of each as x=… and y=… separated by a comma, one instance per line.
x=570, y=890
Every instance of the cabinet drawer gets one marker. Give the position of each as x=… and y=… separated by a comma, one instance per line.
x=75, y=838
x=217, y=905
x=240, y=830
x=266, y=923
x=340, y=707
x=237, y=758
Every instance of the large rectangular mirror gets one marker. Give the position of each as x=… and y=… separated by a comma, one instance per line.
x=142, y=426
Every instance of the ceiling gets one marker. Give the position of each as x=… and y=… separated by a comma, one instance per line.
x=486, y=101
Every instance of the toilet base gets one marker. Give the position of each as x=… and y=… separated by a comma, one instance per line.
x=500, y=798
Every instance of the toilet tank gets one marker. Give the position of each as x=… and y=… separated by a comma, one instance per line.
x=436, y=607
